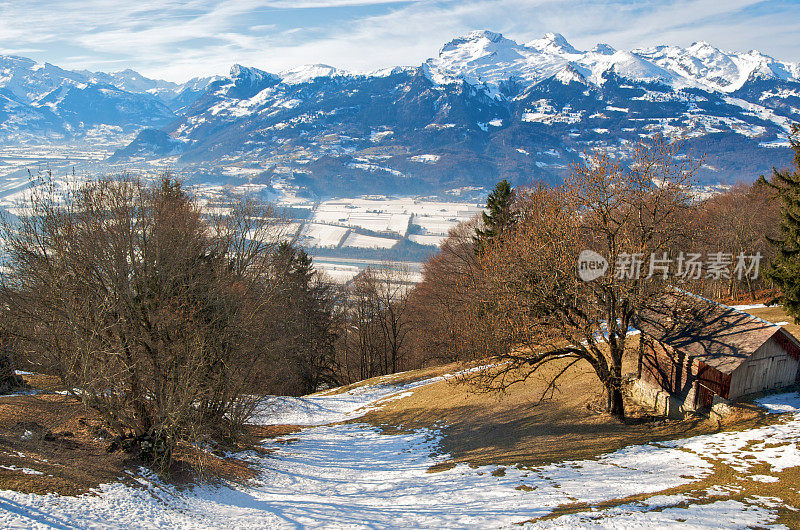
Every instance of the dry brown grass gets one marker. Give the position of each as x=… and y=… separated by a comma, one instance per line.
x=776, y=314
x=66, y=442
x=55, y=435
x=517, y=428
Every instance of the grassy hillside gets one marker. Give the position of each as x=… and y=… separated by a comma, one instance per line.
x=519, y=427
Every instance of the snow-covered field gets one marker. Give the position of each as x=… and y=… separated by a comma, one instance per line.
x=392, y=215
x=335, y=474
x=323, y=236
x=389, y=217
x=342, y=270
x=362, y=241
x=427, y=239
x=344, y=213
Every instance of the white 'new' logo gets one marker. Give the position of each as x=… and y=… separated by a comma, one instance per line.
x=591, y=265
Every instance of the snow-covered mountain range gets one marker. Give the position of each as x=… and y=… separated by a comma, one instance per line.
x=483, y=57
x=484, y=108
x=43, y=101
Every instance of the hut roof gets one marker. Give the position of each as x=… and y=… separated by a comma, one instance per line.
x=718, y=335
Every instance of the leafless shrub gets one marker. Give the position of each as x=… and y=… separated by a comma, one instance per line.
x=163, y=320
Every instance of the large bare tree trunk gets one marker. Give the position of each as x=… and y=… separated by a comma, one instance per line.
x=615, y=403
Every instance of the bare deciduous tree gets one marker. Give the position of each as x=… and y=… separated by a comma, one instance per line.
x=376, y=320
x=445, y=298
x=158, y=318
x=539, y=310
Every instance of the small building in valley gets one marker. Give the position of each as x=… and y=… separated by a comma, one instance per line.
x=690, y=353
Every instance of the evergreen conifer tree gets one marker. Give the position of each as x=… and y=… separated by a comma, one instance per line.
x=499, y=217
x=785, y=267
x=308, y=303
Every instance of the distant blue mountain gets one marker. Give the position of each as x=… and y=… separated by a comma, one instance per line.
x=43, y=101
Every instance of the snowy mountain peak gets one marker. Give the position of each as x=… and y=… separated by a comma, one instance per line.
x=485, y=34
x=247, y=72
x=309, y=72
x=603, y=49
x=245, y=82
x=473, y=36
x=701, y=47
x=553, y=43
x=15, y=61
x=632, y=66
x=763, y=68
x=489, y=59
x=572, y=73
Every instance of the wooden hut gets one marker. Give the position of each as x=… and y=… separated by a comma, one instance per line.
x=703, y=349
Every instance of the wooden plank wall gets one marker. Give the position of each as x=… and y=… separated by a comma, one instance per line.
x=710, y=381
x=770, y=366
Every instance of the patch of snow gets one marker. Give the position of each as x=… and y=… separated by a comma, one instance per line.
x=373, y=168
x=426, y=159
x=24, y=470
x=780, y=403
x=745, y=307
x=774, y=445
x=764, y=478
x=324, y=408
x=719, y=514
x=440, y=126
x=379, y=136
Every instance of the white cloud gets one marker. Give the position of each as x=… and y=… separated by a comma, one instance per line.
x=177, y=39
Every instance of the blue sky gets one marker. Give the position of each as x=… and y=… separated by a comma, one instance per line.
x=180, y=39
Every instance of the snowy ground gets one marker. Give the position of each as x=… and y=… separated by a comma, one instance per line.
x=352, y=475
